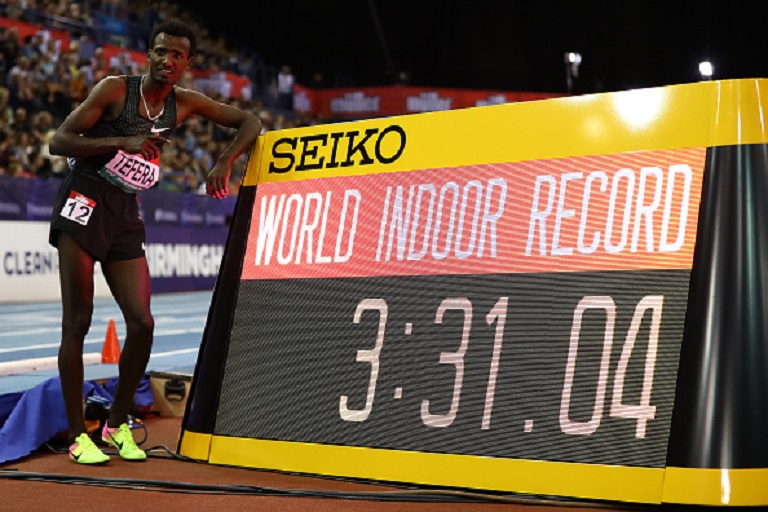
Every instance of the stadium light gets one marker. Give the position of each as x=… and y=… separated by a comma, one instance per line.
x=574, y=58
x=706, y=69
x=572, y=62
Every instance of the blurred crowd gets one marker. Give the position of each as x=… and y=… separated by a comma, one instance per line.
x=40, y=84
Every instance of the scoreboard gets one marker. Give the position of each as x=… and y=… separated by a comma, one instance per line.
x=560, y=297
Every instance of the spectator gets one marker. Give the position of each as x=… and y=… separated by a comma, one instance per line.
x=72, y=58
x=318, y=82
x=20, y=148
x=6, y=155
x=205, y=153
x=199, y=168
x=20, y=83
x=16, y=169
x=10, y=47
x=42, y=131
x=78, y=86
x=114, y=9
x=42, y=127
x=31, y=46
x=285, y=88
x=245, y=66
x=5, y=109
x=187, y=80
x=187, y=135
x=39, y=166
x=47, y=64
x=21, y=121
x=4, y=65
x=37, y=79
x=99, y=65
x=121, y=64
x=14, y=11
x=52, y=47
x=58, y=100
x=77, y=13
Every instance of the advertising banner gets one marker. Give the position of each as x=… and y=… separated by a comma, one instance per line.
x=182, y=258
x=31, y=199
x=366, y=102
x=30, y=266
x=185, y=236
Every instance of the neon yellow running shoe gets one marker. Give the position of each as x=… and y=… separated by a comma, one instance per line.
x=122, y=439
x=85, y=451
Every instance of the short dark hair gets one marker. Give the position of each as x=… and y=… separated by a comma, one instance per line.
x=177, y=29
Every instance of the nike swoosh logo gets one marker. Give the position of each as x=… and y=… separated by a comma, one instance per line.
x=157, y=131
x=75, y=456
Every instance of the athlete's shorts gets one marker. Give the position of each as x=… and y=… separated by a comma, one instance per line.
x=103, y=219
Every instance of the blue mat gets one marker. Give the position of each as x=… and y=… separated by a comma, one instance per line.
x=30, y=418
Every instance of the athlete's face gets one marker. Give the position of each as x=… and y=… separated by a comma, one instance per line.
x=169, y=58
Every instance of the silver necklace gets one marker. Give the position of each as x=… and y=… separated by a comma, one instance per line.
x=146, y=108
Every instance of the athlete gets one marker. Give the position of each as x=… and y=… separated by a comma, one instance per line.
x=113, y=141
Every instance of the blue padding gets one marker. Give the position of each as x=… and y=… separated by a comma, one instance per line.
x=38, y=414
x=7, y=403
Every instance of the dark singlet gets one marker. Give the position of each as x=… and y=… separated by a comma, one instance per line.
x=128, y=172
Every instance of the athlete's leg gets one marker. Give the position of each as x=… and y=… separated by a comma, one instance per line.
x=129, y=282
x=76, y=278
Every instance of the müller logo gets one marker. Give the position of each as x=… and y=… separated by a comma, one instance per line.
x=302, y=102
x=338, y=149
x=427, y=102
x=355, y=102
x=497, y=99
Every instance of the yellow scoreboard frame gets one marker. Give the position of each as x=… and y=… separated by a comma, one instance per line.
x=715, y=444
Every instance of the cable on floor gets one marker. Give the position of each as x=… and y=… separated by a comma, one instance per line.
x=402, y=495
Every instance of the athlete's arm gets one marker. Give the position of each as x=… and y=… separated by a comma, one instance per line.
x=106, y=99
x=248, y=128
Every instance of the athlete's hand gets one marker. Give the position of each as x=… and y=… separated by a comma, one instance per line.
x=148, y=146
x=217, y=181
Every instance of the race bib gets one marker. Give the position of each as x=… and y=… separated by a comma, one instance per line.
x=130, y=172
x=78, y=208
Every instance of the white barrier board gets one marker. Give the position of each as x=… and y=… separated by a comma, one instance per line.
x=30, y=266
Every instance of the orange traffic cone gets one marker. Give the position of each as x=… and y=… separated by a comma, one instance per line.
x=110, y=353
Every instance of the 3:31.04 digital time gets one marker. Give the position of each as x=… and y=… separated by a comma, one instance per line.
x=498, y=315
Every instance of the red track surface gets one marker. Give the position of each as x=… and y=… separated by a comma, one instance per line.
x=28, y=495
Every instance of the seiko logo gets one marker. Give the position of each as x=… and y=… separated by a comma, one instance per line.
x=338, y=149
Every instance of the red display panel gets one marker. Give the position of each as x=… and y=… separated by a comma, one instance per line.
x=611, y=212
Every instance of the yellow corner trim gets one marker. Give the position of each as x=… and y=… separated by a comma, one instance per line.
x=588, y=481
x=697, y=486
x=195, y=446
x=740, y=113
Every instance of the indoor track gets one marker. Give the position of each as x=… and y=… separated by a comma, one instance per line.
x=46, y=480
x=30, y=335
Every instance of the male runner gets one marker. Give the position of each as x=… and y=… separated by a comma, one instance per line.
x=113, y=140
